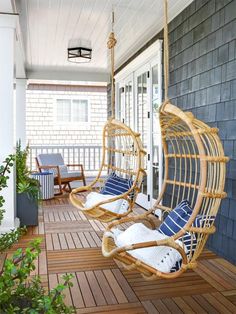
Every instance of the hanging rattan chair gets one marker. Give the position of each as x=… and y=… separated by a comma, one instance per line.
x=123, y=155
x=195, y=168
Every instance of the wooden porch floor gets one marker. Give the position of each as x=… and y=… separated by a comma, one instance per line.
x=71, y=244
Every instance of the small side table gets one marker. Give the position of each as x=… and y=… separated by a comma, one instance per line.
x=46, y=181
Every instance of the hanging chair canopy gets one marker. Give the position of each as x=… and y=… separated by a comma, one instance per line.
x=194, y=171
x=122, y=158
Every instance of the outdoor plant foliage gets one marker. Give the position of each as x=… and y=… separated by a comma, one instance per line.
x=24, y=183
x=19, y=292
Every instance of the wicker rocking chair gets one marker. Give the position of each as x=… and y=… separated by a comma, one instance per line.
x=123, y=155
x=195, y=168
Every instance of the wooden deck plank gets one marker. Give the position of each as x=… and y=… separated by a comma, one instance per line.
x=62, y=240
x=205, y=304
x=90, y=240
x=194, y=304
x=67, y=216
x=160, y=306
x=76, y=240
x=66, y=292
x=97, y=292
x=131, y=308
x=76, y=294
x=56, y=242
x=78, y=260
x=62, y=217
x=94, y=225
x=183, y=305
x=53, y=281
x=231, y=307
x=69, y=240
x=119, y=294
x=72, y=244
x=85, y=290
x=229, y=275
x=43, y=270
x=109, y=296
x=77, y=215
x=172, y=306
x=214, y=279
x=83, y=240
x=149, y=307
x=96, y=238
x=62, y=227
x=49, y=243
x=129, y=293
x=217, y=304
x=57, y=217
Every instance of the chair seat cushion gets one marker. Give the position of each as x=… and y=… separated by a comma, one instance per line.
x=119, y=206
x=70, y=174
x=162, y=258
x=116, y=185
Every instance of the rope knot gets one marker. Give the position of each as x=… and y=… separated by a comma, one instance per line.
x=111, y=41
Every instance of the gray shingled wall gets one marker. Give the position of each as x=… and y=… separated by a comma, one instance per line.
x=203, y=80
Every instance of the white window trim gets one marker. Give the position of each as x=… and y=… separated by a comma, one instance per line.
x=71, y=125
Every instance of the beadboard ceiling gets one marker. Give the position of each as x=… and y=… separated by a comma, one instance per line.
x=48, y=25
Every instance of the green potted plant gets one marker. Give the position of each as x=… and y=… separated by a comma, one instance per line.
x=19, y=291
x=27, y=189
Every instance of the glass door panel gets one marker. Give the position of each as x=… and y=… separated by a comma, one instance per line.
x=120, y=106
x=156, y=157
x=129, y=104
x=142, y=120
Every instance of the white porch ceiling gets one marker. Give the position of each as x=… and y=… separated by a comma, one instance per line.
x=48, y=25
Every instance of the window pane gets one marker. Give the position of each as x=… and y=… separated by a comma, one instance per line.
x=63, y=110
x=79, y=110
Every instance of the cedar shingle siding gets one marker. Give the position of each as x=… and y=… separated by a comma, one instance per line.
x=202, y=42
x=203, y=80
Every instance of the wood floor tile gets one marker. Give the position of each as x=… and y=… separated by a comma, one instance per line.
x=77, y=260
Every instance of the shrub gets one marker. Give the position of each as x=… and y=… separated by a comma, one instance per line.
x=19, y=292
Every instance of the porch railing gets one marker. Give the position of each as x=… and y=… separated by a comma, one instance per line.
x=89, y=156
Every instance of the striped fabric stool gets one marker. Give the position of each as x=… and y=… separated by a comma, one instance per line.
x=46, y=180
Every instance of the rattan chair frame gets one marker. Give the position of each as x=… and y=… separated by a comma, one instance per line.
x=195, y=167
x=125, y=144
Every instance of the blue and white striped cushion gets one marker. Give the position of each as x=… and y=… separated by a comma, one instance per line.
x=188, y=241
x=203, y=221
x=176, y=267
x=116, y=185
x=176, y=219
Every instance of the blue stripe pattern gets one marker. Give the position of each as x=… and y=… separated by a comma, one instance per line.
x=203, y=221
x=176, y=220
x=116, y=185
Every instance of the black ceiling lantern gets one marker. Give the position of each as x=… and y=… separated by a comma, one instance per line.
x=79, y=51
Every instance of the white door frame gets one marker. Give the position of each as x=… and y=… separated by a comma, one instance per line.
x=144, y=63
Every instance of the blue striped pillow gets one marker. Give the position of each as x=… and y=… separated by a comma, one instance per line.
x=176, y=219
x=203, y=221
x=116, y=185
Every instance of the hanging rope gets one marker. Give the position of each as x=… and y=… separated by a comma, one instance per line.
x=166, y=50
x=111, y=44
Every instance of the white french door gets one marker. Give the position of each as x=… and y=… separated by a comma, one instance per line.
x=138, y=97
x=142, y=125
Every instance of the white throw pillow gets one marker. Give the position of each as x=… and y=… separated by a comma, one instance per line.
x=119, y=206
x=162, y=258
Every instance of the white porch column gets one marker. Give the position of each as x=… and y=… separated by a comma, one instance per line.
x=21, y=111
x=7, y=43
